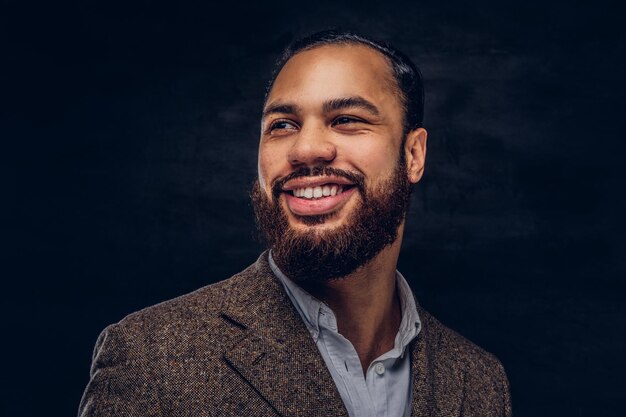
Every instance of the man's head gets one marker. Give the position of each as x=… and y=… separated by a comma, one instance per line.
x=341, y=143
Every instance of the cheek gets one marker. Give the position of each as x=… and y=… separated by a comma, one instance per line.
x=375, y=161
x=269, y=166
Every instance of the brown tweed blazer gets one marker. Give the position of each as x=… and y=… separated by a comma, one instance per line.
x=239, y=348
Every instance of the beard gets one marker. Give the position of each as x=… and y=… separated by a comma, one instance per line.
x=321, y=256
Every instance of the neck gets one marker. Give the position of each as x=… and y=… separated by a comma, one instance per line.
x=366, y=304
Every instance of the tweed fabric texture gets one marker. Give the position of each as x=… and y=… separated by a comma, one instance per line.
x=239, y=348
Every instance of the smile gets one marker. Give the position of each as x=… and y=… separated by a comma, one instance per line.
x=314, y=196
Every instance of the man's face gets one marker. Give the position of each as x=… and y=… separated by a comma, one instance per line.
x=332, y=170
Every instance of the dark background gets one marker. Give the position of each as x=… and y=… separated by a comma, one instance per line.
x=129, y=137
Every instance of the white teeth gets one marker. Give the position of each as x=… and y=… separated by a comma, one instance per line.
x=319, y=191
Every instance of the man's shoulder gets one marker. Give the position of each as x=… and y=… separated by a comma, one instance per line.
x=452, y=344
x=452, y=352
x=198, y=309
x=205, y=301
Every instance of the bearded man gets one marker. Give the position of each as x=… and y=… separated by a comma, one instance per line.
x=322, y=324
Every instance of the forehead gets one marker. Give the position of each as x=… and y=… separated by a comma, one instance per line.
x=333, y=71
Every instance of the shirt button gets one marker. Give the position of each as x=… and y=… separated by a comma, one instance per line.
x=379, y=368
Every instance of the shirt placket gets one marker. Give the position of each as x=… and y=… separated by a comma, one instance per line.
x=347, y=364
x=376, y=381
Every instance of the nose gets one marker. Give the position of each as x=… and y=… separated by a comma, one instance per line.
x=312, y=147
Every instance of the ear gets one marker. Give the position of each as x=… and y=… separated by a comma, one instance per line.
x=415, y=153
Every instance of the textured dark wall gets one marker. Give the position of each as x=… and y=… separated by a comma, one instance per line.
x=130, y=136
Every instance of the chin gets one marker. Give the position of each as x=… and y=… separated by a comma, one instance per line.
x=314, y=224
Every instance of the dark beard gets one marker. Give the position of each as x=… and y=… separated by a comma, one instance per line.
x=329, y=255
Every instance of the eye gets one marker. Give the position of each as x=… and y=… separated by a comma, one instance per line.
x=281, y=125
x=344, y=120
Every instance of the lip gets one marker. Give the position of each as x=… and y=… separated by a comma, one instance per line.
x=317, y=206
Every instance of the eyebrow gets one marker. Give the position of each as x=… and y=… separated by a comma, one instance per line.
x=285, y=108
x=350, y=102
x=328, y=106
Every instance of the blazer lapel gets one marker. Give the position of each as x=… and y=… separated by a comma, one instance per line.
x=276, y=354
x=437, y=389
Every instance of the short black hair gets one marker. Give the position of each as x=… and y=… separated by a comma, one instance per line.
x=406, y=74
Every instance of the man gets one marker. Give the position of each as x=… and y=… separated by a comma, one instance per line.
x=322, y=324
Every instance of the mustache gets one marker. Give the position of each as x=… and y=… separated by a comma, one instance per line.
x=357, y=179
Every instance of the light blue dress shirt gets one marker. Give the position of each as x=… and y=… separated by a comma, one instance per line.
x=385, y=391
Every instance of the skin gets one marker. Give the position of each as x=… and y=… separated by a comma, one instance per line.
x=306, y=123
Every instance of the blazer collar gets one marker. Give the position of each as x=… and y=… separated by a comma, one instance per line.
x=276, y=354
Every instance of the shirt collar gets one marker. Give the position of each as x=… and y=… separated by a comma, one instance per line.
x=410, y=325
x=310, y=307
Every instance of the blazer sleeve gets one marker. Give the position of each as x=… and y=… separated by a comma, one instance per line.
x=506, y=392
x=121, y=380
